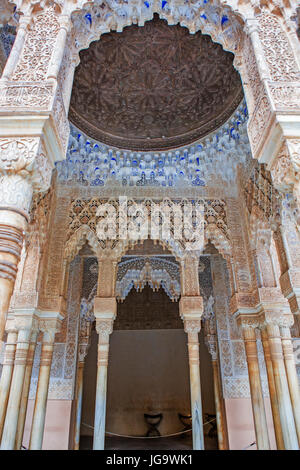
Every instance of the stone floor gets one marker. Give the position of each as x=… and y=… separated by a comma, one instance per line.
x=169, y=443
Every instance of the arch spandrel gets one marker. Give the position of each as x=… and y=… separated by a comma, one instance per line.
x=215, y=19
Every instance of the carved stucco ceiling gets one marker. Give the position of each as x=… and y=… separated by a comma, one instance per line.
x=153, y=87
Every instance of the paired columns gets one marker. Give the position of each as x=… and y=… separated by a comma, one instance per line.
x=24, y=326
x=282, y=378
x=258, y=407
x=291, y=373
x=272, y=390
x=282, y=388
x=49, y=328
x=27, y=326
x=26, y=388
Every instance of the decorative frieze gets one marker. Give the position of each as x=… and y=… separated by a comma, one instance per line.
x=91, y=163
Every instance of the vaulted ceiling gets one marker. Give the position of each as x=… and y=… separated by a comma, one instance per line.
x=153, y=87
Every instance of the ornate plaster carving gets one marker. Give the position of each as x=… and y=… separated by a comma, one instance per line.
x=84, y=219
x=277, y=51
x=91, y=163
x=153, y=87
x=214, y=18
x=154, y=271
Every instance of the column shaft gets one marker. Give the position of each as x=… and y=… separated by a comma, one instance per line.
x=79, y=391
x=11, y=241
x=39, y=413
x=25, y=392
x=6, y=376
x=59, y=50
x=291, y=374
x=272, y=391
x=12, y=413
x=17, y=48
x=220, y=408
x=100, y=410
x=282, y=389
x=257, y=400
x=195, y=388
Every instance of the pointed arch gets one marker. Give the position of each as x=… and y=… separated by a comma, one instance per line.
x=83, y=234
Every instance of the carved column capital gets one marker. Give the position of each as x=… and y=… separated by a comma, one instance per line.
x=49, y=327
x=24, y=168
x=10, y=326
x=104, y=328
x=26, y=322
x=279, y=319
x=192, y=325
x=248, y=322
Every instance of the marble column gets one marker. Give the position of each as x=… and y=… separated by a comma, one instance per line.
x=17, y=47
x=25, y=391
x=7, y=369
x=257, y=400
x=12, y=225
x=83, y=349
x=49, y=328
x=211, y=341
x=220, y=407
x=291, y=373
x=78, y=402
x=58, y=53
x=24, y=327
x=219, y=400
x=272, y=391
x=104, y=327
x=192, y=328
x=282, y=389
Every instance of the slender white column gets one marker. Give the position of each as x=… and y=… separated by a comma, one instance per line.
x=85, y=328
x=282, y=388
x=17, y=47
x=257, y=400
x=291, y=374
x=39, y=413
x=211, y=341
x=79, y=391
x=59, y=50
x=192, y=328
x=83, y=349
x=272, y=391
x=12, y=413
x=104, y=327
x=25, y=392
x=7, y=370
